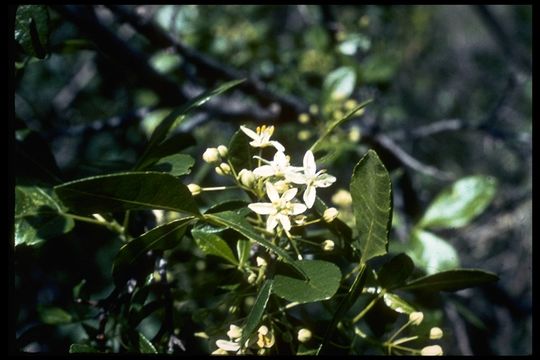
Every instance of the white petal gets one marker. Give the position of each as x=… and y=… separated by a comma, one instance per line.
x=277, y=145
x=309, y=164
x=252, y=134
x=298, y=209
x=227, y=345
x=280, y=159
x=271, y=222
x=262, y=208
x=295, y=177
x=256, y=143
x=285, y=222
x=324, y=180
x=264, y=171
x=309, y=196
x=271, y=191
x=289, y=194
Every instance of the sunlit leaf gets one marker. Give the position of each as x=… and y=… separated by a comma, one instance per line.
x=32, y=29
x=459, y=204
x=339, y=84
x=397, y=304
x=54, y=315
x=38, y=216
x=176, y=165
x=237, y=222
x=212, y=244
x=145, y=346
x=431, y=253
x=323, y=280
x=127, y=191
x=371, y=193
x=257, y=311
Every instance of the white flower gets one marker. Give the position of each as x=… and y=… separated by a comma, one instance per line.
x=328, y=245
x=304, y=335
x=261, y=138
x=228, y=345
x=435, y=333
x=277, y=167
x=311, y=178
x=330, y=214
x=279, y=209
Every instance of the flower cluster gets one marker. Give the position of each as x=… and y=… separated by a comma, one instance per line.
x=260, y=342
x=280, y=178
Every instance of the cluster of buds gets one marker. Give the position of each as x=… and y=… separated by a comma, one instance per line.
x=258, y=343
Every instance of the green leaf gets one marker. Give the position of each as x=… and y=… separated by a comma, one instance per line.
x=257, y=311
x=242, y=249
x=212, y=244
x=379, y=68
x=145, y=346
x=396, y=271
x=176, y=165
x=459, y=204
x=82, y=348
x=54, y=315
x=237, y=222
x=451, y=280
x=432, y=253
x=32, y=29
x=80, y=291
x=229, y=205
x=240, y=152
x=339, y=84
x=127, y=191
x=38, y=216
x=171, y=146
x=397, y=304
x=323, y=280
x=163, y=129
x=371, y=193
x=159, y=238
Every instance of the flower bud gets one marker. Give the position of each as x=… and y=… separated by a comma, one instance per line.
x=350, y=104
x=304, y=335
x=247, y=178
x=281, y=186
x=223, y=169
x=252, y=278
x=261, y=262
x=211, y=155
x=342, y=198
x=433, y=350
x=194, y=189
x=328, y=245
x=263, y=330
x=330, y=214
x=416, y=317
x=304, y=135
x=234, y=332
x=354, y=134
x=303, y=118
x=223, y=151
x=435, y=333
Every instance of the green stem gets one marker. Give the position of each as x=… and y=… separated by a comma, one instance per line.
x=113, y=226
x=368, y=307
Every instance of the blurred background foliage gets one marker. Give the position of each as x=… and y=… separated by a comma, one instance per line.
x=452, y=97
